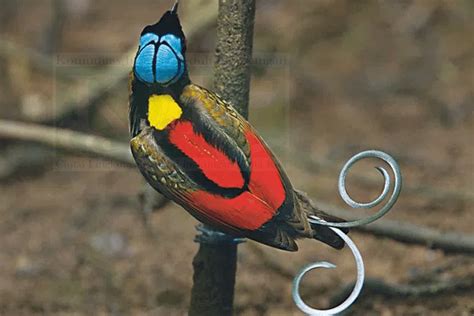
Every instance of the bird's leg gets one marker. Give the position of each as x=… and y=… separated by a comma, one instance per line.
x=208, y=235
x=150, y=201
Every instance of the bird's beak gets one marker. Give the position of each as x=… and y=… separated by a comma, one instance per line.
x=174, y=9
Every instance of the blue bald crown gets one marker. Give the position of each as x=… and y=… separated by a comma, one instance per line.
x=159, y=60
x=160, y=57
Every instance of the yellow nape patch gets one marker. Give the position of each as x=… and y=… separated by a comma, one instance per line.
x=162, y=110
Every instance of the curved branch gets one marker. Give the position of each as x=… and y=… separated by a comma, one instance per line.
x=67, y=140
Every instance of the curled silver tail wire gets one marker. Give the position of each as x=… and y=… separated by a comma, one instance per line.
x=397, y=186
x=355, y=251
x=323, y=264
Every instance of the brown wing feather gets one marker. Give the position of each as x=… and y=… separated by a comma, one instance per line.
x=220, y=112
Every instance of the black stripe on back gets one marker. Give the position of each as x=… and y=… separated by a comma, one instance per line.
x=191, y=168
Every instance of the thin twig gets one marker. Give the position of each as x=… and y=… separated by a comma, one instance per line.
x=67, y=140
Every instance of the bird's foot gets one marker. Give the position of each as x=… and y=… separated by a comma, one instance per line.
x=208, y=235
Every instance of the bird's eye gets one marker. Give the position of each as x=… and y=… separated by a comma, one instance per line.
x=174, y=42
x=147, y=38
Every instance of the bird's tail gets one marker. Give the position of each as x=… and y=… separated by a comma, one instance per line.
x=320, y=232
x=325, y=234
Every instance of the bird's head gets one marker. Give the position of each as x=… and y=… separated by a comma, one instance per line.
x=160, y=59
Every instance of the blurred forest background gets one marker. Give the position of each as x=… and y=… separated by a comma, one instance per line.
x=330, y=78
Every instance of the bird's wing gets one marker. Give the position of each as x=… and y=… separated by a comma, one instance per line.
x=240, y=216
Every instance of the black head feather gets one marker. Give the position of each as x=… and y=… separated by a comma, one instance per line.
x=168, y=24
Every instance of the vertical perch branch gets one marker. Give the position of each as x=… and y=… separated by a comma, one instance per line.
x=234, y=52
x=215, y=263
